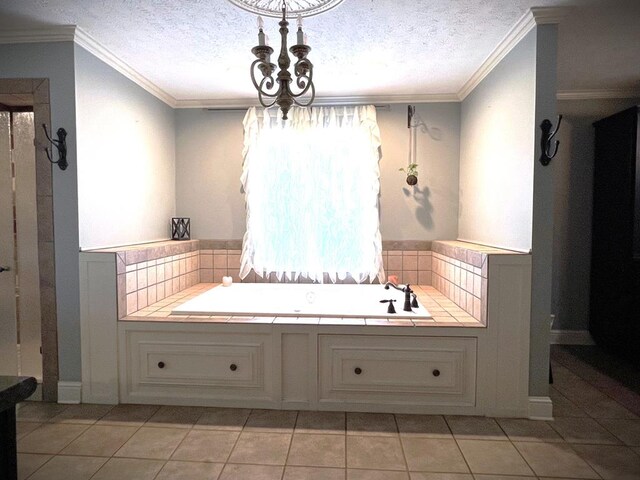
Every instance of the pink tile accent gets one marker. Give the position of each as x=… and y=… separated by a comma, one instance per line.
x=152, y=275
x=132, y=303
x=220, y=261
x=409, y=262
x=152, y=295
x=132, y=282
x=142, y=278
x=395, y=263
x=142, y=298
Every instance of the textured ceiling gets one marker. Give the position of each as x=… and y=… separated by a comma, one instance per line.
x=200, y=49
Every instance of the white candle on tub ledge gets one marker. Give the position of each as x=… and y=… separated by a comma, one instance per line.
x=227, y=281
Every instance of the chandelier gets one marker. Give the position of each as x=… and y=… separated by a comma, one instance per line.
x=278, y=90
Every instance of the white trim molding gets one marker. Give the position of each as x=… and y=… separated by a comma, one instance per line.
x=597, y=94
x=540, y=408
x=63, y=33
x=69, y=392
x=94, y=47
x=571, y=337
x=534, y=16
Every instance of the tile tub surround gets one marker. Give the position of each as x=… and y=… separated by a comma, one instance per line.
x=445, y=313
x=460, y=270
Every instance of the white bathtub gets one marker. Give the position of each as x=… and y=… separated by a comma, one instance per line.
x=299, y=300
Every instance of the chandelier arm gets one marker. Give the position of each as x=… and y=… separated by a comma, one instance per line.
x=270, y=83
x=300, y=81
x=313, y=96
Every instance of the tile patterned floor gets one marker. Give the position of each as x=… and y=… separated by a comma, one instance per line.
x=592, y=437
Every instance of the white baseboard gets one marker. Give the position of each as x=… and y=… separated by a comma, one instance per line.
x=69, y=392
x=571, y=337
x=540, y=408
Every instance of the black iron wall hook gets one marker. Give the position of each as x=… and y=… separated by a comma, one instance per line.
x=545, y=141
x=61, y=146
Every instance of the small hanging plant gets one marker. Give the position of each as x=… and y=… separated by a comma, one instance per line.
x=412, y=173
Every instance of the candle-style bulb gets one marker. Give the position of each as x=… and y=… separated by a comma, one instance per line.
x=260, y=22
x=299, y=21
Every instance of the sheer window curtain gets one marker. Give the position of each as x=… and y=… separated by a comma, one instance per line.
x=312, y=186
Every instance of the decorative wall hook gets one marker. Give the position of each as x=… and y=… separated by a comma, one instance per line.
x=61, y=146
x=545, y=141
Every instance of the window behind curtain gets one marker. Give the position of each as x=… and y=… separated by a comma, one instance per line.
x=311, y=186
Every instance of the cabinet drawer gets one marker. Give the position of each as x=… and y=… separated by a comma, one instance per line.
x=411, y=370
x=173, y=365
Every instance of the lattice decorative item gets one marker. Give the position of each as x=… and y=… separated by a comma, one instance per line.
x=181, y=228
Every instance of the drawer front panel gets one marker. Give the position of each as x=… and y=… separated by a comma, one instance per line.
x=173, y=365
x=200, y=364
x=421, y=370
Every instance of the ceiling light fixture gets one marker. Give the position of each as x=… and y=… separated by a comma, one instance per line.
x=278, y=91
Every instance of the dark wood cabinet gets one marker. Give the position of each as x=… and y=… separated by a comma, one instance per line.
x=614, y=319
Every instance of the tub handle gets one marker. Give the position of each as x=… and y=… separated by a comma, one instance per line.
x=357, y=370
x=233, y=367
x=160, y=364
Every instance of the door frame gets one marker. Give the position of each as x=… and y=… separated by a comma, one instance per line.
x=39, y=88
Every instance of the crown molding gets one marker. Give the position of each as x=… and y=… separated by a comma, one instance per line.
x=597, y=94
x=534, y=16
x=222, y=104
x=62, y=33
x=91, y=45
x=73, y=33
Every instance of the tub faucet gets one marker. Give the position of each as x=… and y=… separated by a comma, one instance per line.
x=408, y=303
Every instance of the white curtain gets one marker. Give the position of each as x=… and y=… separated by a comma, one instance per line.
x=311, y=185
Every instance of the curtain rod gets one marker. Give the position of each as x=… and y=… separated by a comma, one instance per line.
x=386, y=106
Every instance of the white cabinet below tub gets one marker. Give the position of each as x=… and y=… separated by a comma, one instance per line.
x=178, y=367
x=400, y=370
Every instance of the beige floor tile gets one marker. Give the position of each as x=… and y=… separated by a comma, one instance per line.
x=313, y=473
x=377, y=453
x=69, y=468
x=261, y=448
x=607, y=408
x=23, y=428
x=251, y=472
x=206, y=446
x=223, y=419
x=493, y=457
x=371, y=424
x=321, y=422
x=442, y=476
x=316, y=450
x=502, y=477
x=563, y=407
x=475, y=428
x=128, y=468
x=175, y=417
x=554, y=460
x=277, y=421
x=431, y=426
x=611, y=462
x=357, y=474
x=190, y=471
x=523, y=430
x=50, y=438
x=133, y=415
x=625, y=429
x=583, y=430
x=433, y=455
x=39, y=411
x=100, y=441
x=152, y=443
x=29, y=463
x=84, y=413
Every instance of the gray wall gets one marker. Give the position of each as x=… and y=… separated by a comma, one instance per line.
x=126, y=158
x=56, y=62
x=496, y=148
x=572, y=214
x=209, y=163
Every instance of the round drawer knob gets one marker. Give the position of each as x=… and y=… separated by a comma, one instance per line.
x=233, y=367
x=436, y=373
x=357, y=370
x=160, y=364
